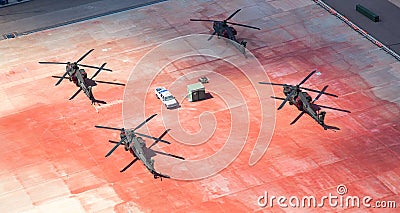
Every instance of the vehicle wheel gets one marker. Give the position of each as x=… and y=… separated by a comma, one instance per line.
x=157, y=97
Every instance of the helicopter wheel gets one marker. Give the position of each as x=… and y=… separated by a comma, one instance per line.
x=243, y=43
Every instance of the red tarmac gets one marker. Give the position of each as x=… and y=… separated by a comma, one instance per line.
x=52, y=157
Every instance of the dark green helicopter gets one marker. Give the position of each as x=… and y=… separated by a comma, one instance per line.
x=137, y=146
x=304, y=103
x=221, y=28
x=79, y=77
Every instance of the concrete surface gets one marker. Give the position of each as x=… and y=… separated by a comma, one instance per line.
x=52, y=158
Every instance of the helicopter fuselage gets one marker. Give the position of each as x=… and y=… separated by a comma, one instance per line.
x=73, y=72
x=84, y=83
x=137, y=148
x=303, y=102
x=224, y=30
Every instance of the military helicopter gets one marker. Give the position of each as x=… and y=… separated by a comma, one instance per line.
x=79, y=77
x=304, y=103
x=137, y=146
x=221, y=28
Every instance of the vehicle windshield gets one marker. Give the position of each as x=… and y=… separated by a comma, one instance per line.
x=168, y=98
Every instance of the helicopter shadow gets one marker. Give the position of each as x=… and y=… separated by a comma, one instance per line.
x=331, y=127
x=90, y=82
x=99, y=101
x=149, y=152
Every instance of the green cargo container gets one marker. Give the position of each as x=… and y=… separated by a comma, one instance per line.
x=196, y=92
x=368, y=13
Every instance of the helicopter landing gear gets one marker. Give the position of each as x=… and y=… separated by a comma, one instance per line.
x=321, y=117
x=156, y=177
x=243, y=43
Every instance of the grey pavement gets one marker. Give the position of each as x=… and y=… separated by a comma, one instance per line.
x=37, y=15
x=387, y=30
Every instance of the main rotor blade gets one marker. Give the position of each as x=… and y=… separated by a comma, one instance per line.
x=77, y=92
x=144, y=122
x=167, y=154
x=106, y=127
x=81, y=58
x=297, y=118
x=47, y=62
x=54, y=76
x=306, y=78
x=114, y=148
x=317, y=91
x=94, y=67
x=203, y=20
x=243, y=25
x=332, y=108
x=279, y=98
x=274, y=84
x=233, y=14
x=114, y=142
x=62, y=78
x=107, y=82
x=82, y=65
x=98, y=71
x=286, y=99
x=159, y=138
x=129, y=165
x=151, y=137
x=319, y=95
